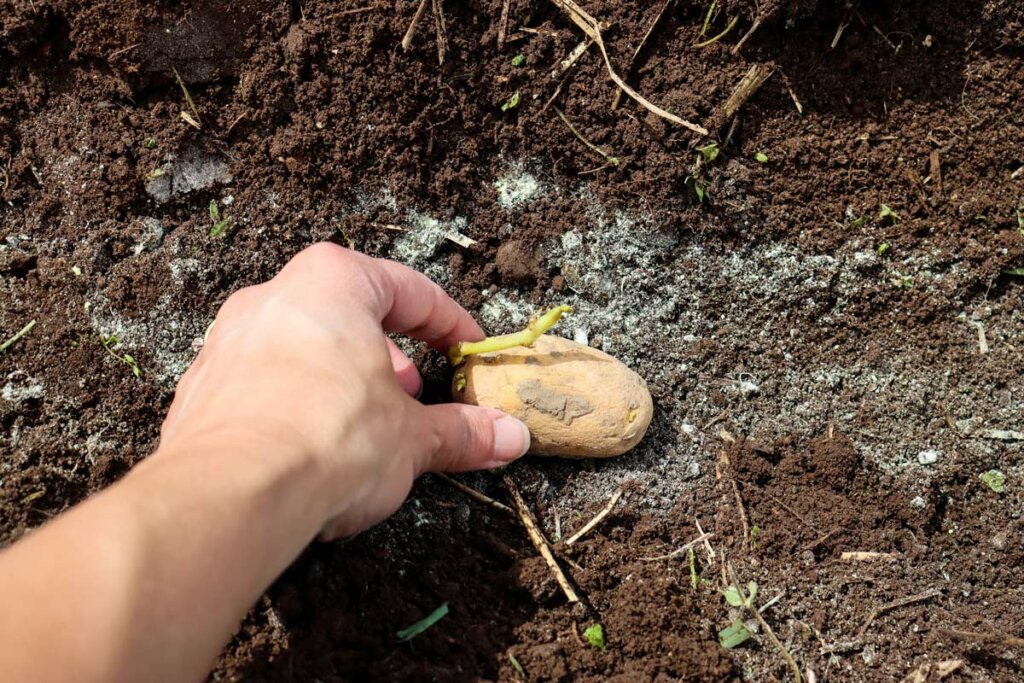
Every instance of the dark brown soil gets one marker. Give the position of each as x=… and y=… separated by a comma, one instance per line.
x=809, y=354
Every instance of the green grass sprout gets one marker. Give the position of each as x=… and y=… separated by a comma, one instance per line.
x=407, y=634
x=595, y=636
x=995, y=480
x=188, y=96
x=112, y=341
x=17, y=335
x=885, y=212
x=709, y=151
x=707, y=19
x=858, y=223
x=150, y=142
x=883, y=247
x=220, y=225
x=1019, y=272
x=723, y=34
x=512, y=102
x=516, y=665
x=519, y=60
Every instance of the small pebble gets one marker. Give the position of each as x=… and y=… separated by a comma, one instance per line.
x=929, y=457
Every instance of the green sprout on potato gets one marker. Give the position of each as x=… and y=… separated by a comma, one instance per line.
x=534, y=330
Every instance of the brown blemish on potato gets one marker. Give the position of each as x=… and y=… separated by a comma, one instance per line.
x=565, y=407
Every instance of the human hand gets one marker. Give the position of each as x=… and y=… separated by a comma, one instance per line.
x=302, y=364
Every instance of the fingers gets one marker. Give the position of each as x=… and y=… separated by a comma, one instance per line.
x=408, y=376
x=401, y=299
x=471, y=438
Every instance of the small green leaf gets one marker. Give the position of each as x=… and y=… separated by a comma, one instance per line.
x=1019, y=272
x=995, y=480
x=519, y=60
x=516, y=665
x=407, y=634
x=710, y=152
x=733, y=597
x=883, y=247
x=220, y=227
x=76, y=271
x=886, y=212
x=860, y=222
x=699, y=190
x=150, y=142
x=214, y=211
x=751, y=593
x=512, y=102
x=156, y=173
x=761, y=158
x=595, y=636
x=734, y=635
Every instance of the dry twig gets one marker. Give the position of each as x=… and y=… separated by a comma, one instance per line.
x=345, y=13
x=993, y=638
x=592, y=28
x=679, y=551
x=933, y=672
x=597, y=519
x=538, y=540
x=902, y=602
x=614, y=161
x=503, y=23
x=442, y=32
x=411, y=31
x=475, y=495
x=746, y=36
x=640, y=46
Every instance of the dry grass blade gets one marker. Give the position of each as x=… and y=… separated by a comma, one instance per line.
x=188, y=99
x=678, y=551
x=571, y=58
x=591, y=27
x=503, y=23
x=539, y=542
x=865, y=556
x=993, y=638
x=640, y=46
x=442, y=31
x=745, y=89
x=411, y=31
x=345, y=13
x=597, y=519
x=17, y=335
x=746, y=36
x=614, y=161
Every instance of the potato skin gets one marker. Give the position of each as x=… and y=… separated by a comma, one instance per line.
x=577, y=402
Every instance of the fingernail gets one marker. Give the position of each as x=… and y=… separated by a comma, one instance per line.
x=511, y=439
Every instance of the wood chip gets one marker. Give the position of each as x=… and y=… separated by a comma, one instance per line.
x=187, y=118
x=865, y=556
x=935, y=168
x=928, y=672
x=459, y=239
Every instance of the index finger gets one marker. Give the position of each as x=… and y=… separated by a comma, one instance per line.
x=410, y=303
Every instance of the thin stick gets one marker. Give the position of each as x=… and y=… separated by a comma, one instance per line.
x=538, y=540
x=756, y=25
x=571, y=58
x=723, y=457
x=188, y=98
x=411, y=31
x=234, y=123
x=640, y=46
x=614, y=161
x=903, y=602
x=597, y=519
x=707, y=545
x=475, y=495
x=591, y=27
x=122, y=50
x=678, y=551
x=18, y=335
x=442, y=33
x=345, y=13
x=503, y=23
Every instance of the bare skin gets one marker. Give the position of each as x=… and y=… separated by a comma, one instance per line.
x=297, y=420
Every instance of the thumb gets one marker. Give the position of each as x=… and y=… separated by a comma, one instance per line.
x=471, y=438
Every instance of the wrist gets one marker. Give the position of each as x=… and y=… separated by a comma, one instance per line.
x=267, y=466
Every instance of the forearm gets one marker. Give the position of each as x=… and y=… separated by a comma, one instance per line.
x=149, y=579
